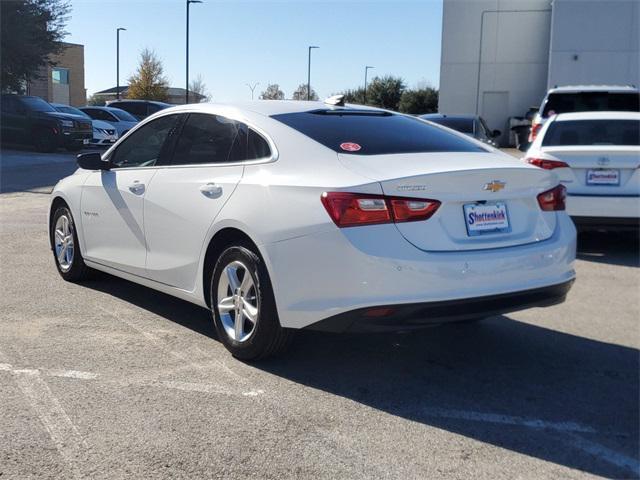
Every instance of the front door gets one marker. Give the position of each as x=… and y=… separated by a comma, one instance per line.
x=112, y=205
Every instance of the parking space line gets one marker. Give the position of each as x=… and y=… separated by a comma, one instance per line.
x=63, y=432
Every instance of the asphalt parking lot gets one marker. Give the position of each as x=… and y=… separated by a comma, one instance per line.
x=109, y=379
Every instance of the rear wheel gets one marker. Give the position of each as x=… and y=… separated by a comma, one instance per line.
x=66, y=250
x=243, y=306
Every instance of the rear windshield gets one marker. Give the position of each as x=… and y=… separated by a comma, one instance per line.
x=374, y=133
x=464, y=125
x=593, y=132
x=591, y=102
x=122, y=115
x=36, y=104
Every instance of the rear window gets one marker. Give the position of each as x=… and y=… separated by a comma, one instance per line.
x=593, y=132
x=591, y=102
x=122, y=115
x=374, y=133
x=464, y=125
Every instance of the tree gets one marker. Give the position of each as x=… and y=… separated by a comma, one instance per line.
x=149, y=82
x=385, y=92
x=301, y=93
x=31, y=32
x=419, y=100
x=272, y=92
x=95, y=101
x=198, y=86
x=354, y=96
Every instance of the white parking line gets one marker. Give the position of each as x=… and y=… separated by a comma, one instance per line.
x=61, y=429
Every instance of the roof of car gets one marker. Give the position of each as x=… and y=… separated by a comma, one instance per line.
x=594, y=88
x=563, y=117
x=155, y=102
x=431, y=116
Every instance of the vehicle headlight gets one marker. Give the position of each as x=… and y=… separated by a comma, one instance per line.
x=66, y=123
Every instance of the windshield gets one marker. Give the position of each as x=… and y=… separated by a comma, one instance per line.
x=71, y=111
x=374, y=133
x=593, y=132
x=37, y=104
x=122, y=115
x=464, y=125
x=591, y=102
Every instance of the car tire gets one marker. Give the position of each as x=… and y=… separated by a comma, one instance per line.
x=65, y=246
x=44, y=140
x=240, y=288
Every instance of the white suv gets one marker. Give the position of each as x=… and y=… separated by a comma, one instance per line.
x=585, y=98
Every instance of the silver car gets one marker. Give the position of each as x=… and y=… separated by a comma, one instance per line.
x=121, y=120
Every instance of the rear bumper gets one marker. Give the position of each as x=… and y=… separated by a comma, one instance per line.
x=335, y=272
x=601, y=206
x=75, y=137
x=417, y=315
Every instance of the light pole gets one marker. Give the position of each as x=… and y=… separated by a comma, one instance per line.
x=309, y=74
x=366, y=69
x=118, y=61
x=189, y=2
x=252, y=88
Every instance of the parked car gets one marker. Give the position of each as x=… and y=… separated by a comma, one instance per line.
x=122, y=121
x=32, y=121
x=287, y=215
x=471, y=125
x=585, y=98
x=140, y=109
x=104, y=134
x=596, y=155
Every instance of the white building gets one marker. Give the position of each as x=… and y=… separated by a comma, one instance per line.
x=499, y=57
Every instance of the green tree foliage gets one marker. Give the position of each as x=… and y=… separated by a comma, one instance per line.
x=385, y=92
x=149, y=82
x=419, y=101
x=272, y=92
x=31, y=31
x=95, y=101
x=301, y=93
x=355, y=95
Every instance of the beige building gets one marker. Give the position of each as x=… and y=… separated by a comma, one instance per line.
x=64, y=81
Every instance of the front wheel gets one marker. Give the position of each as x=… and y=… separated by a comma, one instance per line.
x=66, y=249
x=243, y=306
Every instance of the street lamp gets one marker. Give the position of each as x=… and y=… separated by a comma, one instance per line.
x=252, y=88
x=366, y=69
x=309, y=74
x=189, y=2
x=118, y=61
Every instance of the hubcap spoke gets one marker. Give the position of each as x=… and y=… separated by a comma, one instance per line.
x=226, y=305
x=232, y=276
x=249, y=311
x=247, y=282
x=239, y=325
x=59, y=235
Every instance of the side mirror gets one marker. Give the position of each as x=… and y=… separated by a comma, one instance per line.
x=496, y=133
x=93, y=161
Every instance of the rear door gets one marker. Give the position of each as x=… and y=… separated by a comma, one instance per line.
x=112, y=203
x=189, y=192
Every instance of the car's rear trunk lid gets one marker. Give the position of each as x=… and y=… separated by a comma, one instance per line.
x=487, y=200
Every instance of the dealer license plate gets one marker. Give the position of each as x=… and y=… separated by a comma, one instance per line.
x=486, y=218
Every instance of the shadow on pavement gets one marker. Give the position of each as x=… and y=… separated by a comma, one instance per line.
x=546, y=394
x=615, y=248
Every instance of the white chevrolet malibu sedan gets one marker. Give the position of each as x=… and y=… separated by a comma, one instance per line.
x=280, y=216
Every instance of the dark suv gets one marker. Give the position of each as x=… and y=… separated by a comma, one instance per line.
x=140, y=109
x=32, y=121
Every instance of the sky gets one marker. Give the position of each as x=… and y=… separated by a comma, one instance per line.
x=234, y=43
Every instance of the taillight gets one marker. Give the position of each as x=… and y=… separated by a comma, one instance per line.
x=351, y=209
x=553, y=199
x=547, y=164
x=535, y=129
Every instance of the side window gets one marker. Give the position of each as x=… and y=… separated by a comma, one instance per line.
x=144, y=146
x=207, y=138
x=153, y=108
x=138, y=109
x=257, y=146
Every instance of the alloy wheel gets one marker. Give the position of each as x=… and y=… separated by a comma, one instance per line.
x=63, y=241
x=237, y=301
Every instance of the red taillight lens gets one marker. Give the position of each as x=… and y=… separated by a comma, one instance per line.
x=547, y=164
x=553, y=199
x=351, y=209
x=535, y=129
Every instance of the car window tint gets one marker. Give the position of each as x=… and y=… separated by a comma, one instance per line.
x=257, y=147
x=138, y=109
x=153, y=108
x=9, y=105
x=122, y=115
x=208, y=139
x=143, y=147
x=464, y=125
x=362, y=132
x=593, y=132
x=591, y=102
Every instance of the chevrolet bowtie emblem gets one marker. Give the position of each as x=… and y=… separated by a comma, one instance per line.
x=494, y=186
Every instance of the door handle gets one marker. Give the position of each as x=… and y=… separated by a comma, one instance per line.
x=136, y=188
x=211, y=190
